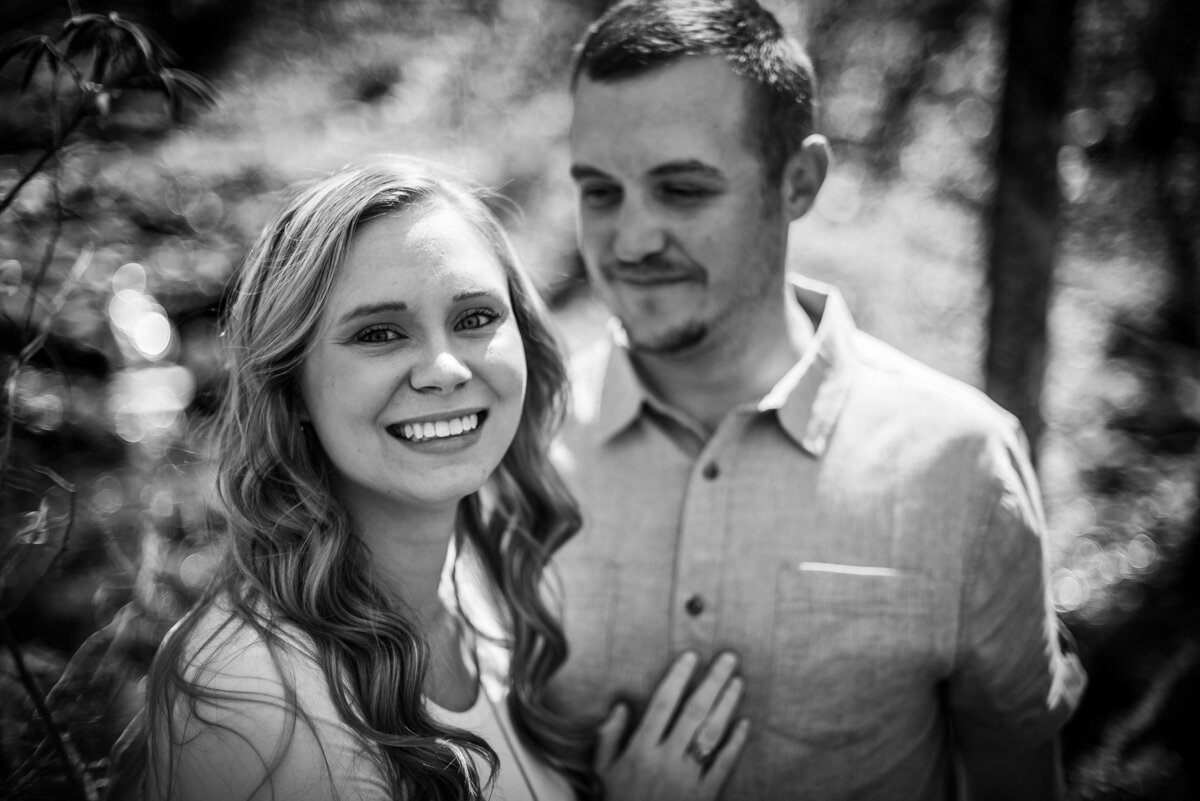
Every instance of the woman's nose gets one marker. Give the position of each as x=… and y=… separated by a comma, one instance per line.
x=441, y=370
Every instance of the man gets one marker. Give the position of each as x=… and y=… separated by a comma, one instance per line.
x=758, y=476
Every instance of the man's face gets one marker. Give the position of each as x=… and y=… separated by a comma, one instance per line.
x=682, y=237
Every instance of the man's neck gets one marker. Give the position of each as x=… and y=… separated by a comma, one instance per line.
x=709, y=382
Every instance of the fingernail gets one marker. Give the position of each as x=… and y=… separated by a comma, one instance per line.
x=688, y=658
x=727, y=659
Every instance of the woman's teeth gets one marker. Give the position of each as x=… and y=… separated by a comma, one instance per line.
x=439, y=428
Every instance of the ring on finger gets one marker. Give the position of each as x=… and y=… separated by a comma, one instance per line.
x=696, y=752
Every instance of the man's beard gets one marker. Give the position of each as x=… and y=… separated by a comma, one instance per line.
x=673, y=343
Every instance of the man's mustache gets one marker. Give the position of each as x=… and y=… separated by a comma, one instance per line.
x=654, y=269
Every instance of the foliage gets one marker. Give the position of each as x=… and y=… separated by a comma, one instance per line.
x=77, y=74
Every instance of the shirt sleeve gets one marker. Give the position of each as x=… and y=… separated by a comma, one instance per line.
x=1016, y=677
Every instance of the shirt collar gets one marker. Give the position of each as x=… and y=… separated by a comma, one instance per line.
x=809, y=397
x=807, y=400
x=622, y=393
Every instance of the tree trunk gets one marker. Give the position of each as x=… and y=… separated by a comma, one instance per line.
x=1025, y=213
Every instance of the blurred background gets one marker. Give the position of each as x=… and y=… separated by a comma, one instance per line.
x=1015, y=201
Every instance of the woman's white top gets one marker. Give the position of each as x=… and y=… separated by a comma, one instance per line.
x=521, y=777
x=230, y=744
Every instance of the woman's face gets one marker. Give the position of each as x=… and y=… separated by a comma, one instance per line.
x=416, y=381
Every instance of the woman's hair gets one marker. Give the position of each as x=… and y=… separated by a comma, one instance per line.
x=292, y=560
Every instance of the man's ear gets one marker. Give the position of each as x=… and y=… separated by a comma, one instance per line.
x=803, y=175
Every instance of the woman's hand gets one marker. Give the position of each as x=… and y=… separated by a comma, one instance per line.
x=689, y=760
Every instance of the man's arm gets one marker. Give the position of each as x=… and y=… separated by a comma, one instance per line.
x=1017, y=678
x=1034, y=774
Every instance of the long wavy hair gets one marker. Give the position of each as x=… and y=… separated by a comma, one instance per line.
x=292, y=559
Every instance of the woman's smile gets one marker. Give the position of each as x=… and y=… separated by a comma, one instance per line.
x=447, y=428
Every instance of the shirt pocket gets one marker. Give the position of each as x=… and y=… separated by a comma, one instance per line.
x=852, y=657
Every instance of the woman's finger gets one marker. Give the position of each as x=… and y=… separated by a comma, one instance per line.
x=712, y=731
x=700, y=703
x=723, y=761
x=666, y=698
x=608, y=737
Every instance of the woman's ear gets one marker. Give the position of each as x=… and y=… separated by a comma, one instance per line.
x=803, y=175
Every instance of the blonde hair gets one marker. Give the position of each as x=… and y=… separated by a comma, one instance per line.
x=291, y=558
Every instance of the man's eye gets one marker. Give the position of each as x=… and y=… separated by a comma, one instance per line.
x=685, y=192
x=477, y=318
x=377, y=334
x=600, y=196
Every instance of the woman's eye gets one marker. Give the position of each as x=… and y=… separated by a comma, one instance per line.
x=477, y=318
x=377, y=334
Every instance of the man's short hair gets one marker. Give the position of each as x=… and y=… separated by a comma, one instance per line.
x=638, y=36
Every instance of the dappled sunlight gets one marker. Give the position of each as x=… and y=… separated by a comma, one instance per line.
x=156, y=215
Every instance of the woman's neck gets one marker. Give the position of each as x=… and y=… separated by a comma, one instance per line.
x=409, y=554
x=408, y=551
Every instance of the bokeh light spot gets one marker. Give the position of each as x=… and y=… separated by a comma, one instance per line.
x=1086, y=126
x=194, y=570
x=131, y=277
x=1068, y=590
x=1141, y=553
x=151, y=335
x=106, y=495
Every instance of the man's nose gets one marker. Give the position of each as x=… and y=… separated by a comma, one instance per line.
x=439, y=369
x=639, y=234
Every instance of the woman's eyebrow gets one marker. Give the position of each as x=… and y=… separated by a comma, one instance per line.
x=383, y=307
x=368, y=309
x=475, y=293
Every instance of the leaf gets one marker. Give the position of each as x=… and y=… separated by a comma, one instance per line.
x=32, y=49
x=32, y=530
x=180, y=85
x=40, y=538
x=123, y=52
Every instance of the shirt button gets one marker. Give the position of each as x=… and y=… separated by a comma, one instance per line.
x=694, y=605
x=711, y=471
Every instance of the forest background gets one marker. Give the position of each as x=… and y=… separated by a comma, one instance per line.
x=1015, y=201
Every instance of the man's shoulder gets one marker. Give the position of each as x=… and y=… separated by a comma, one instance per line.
x=907, y=387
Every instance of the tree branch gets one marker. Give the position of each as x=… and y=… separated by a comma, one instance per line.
x=76, y=772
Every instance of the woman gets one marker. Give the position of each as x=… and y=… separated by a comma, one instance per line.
x=393, y=386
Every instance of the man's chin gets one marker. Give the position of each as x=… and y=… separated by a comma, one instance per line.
x=678, y=341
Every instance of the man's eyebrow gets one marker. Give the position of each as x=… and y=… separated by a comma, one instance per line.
x=580, y=172
x=692, y=167
x=687, y=167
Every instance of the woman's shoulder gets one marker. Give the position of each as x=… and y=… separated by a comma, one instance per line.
x=227, y=649
x=260, y=713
